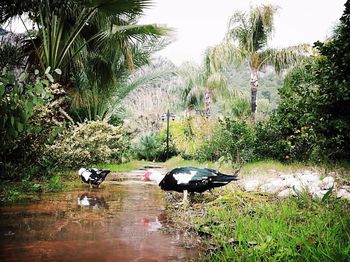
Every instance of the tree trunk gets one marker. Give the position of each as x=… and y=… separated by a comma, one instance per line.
x=208, y=95
x=253, y=89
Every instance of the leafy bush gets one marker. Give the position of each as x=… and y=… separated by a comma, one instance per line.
x=18, y=100
x=88, y=143
x=55, y=184
x=270, y=142
x=190, y=134
x=22, y=133
x=152, y=147
x=314, y=112
x=231, y=141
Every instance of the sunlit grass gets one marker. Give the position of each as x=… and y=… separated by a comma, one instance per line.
x=123, y=167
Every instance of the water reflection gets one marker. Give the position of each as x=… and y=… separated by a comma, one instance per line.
x=152, y=224
x=92, y=200
x=116, y=223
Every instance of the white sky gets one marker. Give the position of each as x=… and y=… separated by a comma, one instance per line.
x=203, y=23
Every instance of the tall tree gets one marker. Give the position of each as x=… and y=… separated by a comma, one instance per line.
x=247, y=39
x=95, y=43
x=201, y=84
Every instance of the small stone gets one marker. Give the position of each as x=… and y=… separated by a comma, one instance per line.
x=285, y=193
x=327, y=182
x=342, y=193
x=274, y=186
x=251, y=185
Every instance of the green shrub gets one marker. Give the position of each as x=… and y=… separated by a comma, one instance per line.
x=190, y=134
x=153, y=147
x=88, y=143
x=269, y=142
x=22, y=131
x=232, y=140
x=55, y=184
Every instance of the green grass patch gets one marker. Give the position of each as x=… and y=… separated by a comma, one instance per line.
x=253, y=227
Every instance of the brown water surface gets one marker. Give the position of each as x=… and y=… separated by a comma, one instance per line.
x=121, y=221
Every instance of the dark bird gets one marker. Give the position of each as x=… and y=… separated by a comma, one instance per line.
x=93, y=176
x=189, y=179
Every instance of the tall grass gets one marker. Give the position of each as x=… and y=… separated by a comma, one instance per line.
x=246, y=227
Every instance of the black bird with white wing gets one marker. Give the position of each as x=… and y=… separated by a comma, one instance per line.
x=189, y=179
x=93, y=176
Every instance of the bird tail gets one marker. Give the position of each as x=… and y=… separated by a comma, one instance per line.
x=225, y=178
x=221, y=177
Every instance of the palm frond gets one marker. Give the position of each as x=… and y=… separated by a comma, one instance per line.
x=126, y=88
x=285, y=57
x=252, y=30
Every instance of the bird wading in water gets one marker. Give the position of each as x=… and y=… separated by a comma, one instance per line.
x=189, y=179
x=93, y=176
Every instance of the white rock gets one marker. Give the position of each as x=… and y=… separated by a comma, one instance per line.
x=286, y=177
x=285, y=193
x=343, y=193
x=327, y=182
x=298, y=174
x=273, y=187
x=309, y=178
x=313, y=189
x=251, y=185
x=297, y=186
x=289, y=182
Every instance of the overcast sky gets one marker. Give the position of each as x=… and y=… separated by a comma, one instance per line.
x=199, y=24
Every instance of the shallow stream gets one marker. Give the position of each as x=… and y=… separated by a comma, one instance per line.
x=121, y=221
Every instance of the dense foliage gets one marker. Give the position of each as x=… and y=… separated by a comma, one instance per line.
x=22, y=128
x=88, y=143
x=314, y=113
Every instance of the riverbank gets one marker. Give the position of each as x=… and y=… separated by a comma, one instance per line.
x=252, y=221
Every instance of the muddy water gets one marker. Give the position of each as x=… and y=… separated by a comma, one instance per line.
x=121, y=221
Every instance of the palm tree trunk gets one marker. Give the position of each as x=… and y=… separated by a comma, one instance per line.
x=208, y=97
x=253, y=89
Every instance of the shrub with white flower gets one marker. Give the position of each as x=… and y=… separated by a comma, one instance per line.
x=89, y=143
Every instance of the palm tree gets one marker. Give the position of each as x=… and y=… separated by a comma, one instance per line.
x=247, y=39
x=67, y=29
x=96, y=43
x=192, y=90
x=200, y=84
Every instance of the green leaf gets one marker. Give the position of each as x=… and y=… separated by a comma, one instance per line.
x=12, y=120
x=45, y=82
x=58, y=71
x=39, y=89
x=19, y=126
x=4, y=71
x=29, y=107
x=22, y=77
x=327, y=195
x=2, y=89
x=11, y=78
x=36, y=72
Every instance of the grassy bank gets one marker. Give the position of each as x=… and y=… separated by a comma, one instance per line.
x=239, y=226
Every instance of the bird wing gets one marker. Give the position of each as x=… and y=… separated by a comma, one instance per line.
x=185, y=175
